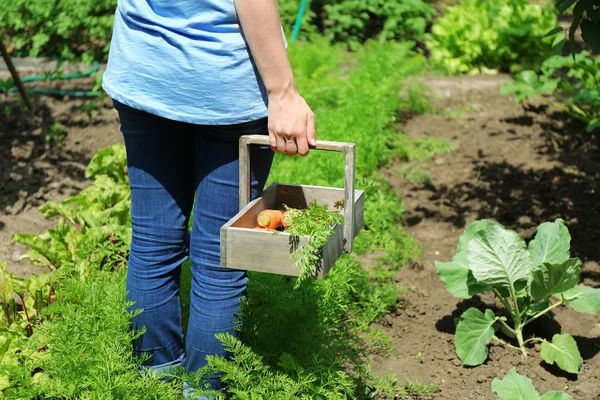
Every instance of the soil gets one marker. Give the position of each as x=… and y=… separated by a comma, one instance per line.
x=37, y=164
x=518, y=166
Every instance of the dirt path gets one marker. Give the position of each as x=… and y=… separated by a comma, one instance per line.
x=521, y=168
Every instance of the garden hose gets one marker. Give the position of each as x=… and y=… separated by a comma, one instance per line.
x=301, y=11
x=95, y=67
x=57, y=92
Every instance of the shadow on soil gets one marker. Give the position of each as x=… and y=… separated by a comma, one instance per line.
x=447, y=324
x=31, y=156
x=523, y=198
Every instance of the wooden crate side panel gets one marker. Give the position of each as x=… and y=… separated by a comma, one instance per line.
x=260, y=251
x=300, y=196
x=359, y=211
x=332, y=250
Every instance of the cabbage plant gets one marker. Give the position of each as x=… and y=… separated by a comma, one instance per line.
x=529, y=280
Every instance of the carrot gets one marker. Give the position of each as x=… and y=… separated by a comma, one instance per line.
x=288, y=217
x=270, y=219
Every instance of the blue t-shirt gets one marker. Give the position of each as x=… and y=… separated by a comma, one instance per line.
x=184, y=60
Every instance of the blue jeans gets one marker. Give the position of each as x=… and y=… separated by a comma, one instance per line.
x=169, y=163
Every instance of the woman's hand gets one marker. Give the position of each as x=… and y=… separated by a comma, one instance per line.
x=291, y=123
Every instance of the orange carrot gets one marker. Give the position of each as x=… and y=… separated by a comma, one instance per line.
x=270, y=219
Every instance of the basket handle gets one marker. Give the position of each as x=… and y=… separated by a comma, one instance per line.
x=349, y=149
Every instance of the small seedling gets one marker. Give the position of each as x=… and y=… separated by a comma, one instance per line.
x=420, y=358
x=56, y=132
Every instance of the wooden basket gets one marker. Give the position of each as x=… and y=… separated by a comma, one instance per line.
x=246, y=248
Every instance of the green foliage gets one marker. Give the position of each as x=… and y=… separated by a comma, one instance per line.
x=65, y=28
x=524, y=278
x=570, y=84
x=71, y=29
x=93, y=231
x=355, y=21
x=56, y=133
x=388, y=385
x=318, y=223
x=518, y=387
x=414, y=174
x=311, y=342
x=586, y=18
x=109, y=161
x=86, y=342
x=484, y=36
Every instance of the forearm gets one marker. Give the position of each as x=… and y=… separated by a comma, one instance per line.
x=261, y=25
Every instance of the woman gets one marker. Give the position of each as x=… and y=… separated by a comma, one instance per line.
x=188, y=78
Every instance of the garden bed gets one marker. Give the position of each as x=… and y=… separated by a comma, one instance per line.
x=520, y=168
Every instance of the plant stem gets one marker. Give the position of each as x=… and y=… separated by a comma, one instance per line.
x=503, y=300
x=6, y=311
x=29, y=326
x=505, y=325
x=517, y=318
x=536, y=316
x=521, y=343
x=533, y=339
x=505, y=343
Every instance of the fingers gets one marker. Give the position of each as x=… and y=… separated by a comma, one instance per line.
x=272, y=139
x=281, y=144
x=310, y=129
x=291, y=125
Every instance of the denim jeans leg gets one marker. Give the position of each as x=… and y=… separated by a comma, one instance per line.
x=160, y=157
x=216, y=292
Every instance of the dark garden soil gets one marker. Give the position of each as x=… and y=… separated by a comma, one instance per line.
x=518, y=166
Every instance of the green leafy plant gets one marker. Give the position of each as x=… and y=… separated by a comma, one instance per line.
x=586, y=18
x=355, y=21
x=90, y=108
x=56, y=132
x=93, y=231
x=569, y=84
x=318, y=223
x=486, y=36
x=525, y=278
x=518, y=387
x=68, y=29
x=389, y=385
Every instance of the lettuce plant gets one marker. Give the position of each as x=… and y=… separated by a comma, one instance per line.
x=484, y=36
x=530, y=281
